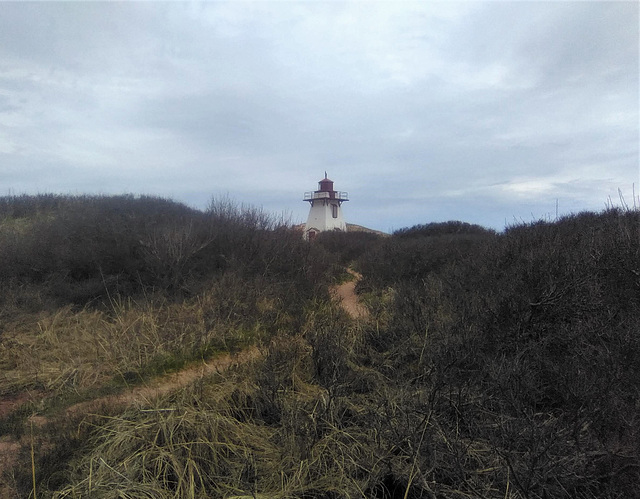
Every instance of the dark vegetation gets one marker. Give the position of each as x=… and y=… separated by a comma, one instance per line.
x=57, y=250
x=490, y=366
x=521, y=350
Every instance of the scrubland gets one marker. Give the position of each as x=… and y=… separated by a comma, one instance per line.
x=489, y=365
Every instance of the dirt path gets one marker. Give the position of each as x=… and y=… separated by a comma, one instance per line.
x=166, y=384
x=143, y=395
x=346, y=293
x=136, y=396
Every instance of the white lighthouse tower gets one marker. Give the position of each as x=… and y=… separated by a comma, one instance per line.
x=326, y=209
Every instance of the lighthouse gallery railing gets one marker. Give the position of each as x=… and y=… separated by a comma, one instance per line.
x=340, y=195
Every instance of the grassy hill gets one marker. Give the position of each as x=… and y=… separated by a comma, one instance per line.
x=489, y=365
x=360, y=228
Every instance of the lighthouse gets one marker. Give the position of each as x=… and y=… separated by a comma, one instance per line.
x=326, y=209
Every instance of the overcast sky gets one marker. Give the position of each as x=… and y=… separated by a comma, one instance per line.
x=486, y=112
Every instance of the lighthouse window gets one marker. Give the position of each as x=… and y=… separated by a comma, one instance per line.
x=334, y=210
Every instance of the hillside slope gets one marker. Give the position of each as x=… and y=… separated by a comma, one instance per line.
x=486, y=365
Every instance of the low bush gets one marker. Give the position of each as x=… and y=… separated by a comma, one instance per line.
x=83, y=250
x=527, y=344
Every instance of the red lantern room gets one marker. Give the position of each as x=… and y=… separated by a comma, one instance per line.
x=326, y=185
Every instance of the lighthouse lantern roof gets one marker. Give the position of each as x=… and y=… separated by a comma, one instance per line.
x=325, y=185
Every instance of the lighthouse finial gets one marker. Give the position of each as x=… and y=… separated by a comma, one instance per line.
x=325, y=174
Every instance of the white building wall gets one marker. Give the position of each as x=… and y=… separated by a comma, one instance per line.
x=321, y=216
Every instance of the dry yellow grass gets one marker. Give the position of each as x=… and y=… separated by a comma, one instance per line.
x=69, y=349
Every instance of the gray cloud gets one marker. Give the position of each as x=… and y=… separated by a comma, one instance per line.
x=485, y=112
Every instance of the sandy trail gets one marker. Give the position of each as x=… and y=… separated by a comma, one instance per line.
x=144, y=394
x=136, y=396
x=346, y=294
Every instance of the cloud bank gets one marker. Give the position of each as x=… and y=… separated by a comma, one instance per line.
x=489, y=113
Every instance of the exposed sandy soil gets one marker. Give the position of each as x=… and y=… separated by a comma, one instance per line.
x=9, y=403
x=348, y=298
x=141, y=395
